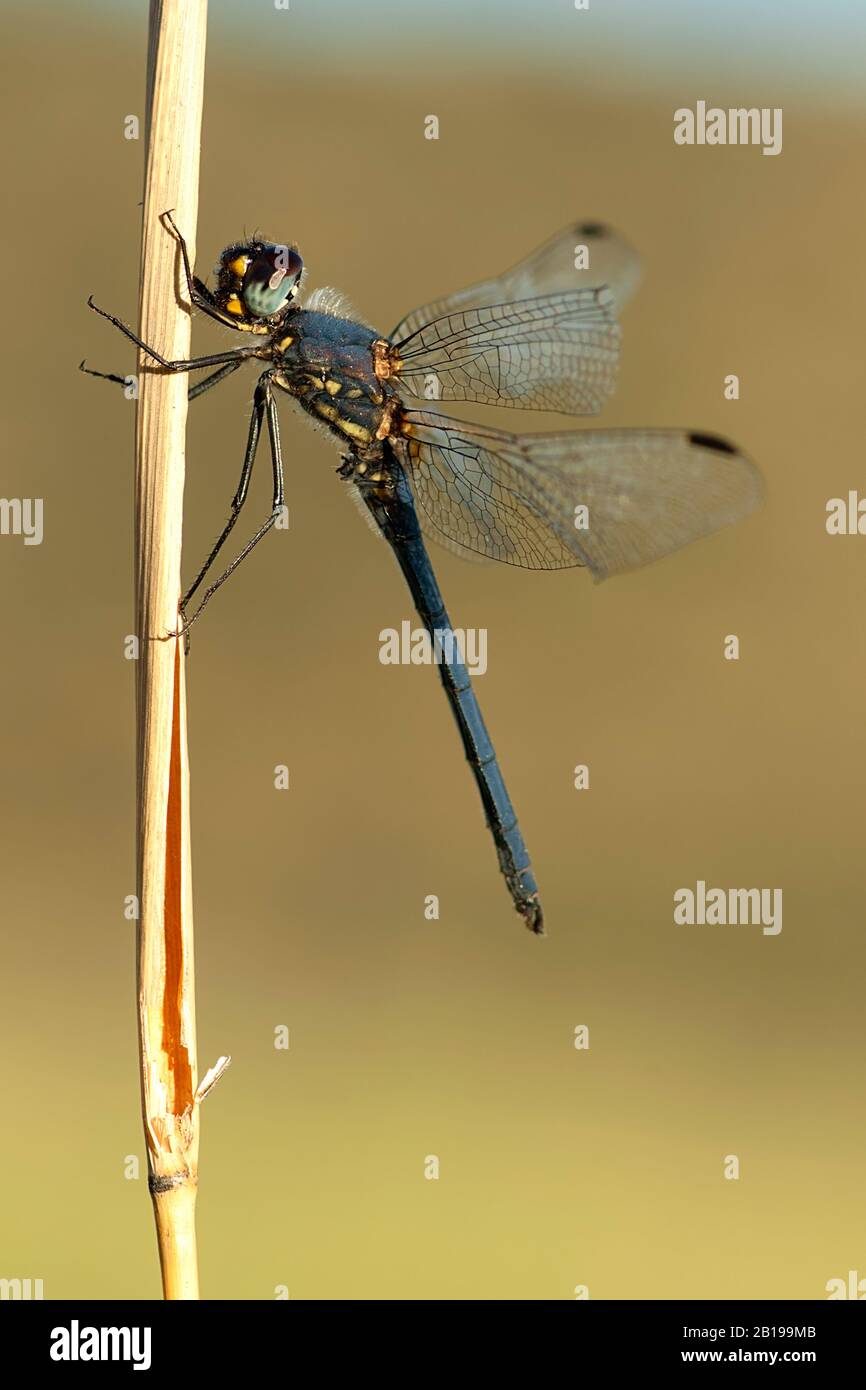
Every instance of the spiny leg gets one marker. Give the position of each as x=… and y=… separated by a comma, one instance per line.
x=105, y=376
x=215, y=359
x=240, y=497
x=198, y=291
x=270, y=411
x=219, y=375
x=194, y=391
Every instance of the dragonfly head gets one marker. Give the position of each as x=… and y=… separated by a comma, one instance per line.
x=257, y=282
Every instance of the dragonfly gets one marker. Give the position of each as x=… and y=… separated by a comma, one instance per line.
x=543, y=335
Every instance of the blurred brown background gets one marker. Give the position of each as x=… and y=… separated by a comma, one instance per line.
x=455, y=1037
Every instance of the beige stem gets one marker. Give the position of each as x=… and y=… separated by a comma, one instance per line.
x=166, y=979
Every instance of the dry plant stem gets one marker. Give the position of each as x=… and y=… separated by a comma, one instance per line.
x=166, y=979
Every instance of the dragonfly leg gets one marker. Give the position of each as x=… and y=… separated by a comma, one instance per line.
x=240, y=496
x=215, y=377
x=104, y=376
x=194, y=391
x=264, y=407
x=198, y=291
x=215, y=359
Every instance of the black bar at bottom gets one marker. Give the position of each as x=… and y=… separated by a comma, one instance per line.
x=177, y=1341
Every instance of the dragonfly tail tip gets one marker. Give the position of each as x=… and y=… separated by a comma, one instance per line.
x=533, y=916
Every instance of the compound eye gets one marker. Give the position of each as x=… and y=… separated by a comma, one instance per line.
x=271, y=280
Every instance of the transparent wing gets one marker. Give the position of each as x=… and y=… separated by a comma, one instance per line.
x=549, y=270
x=557, y=352
x=611, y=500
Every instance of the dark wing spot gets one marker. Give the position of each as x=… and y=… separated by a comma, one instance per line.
x=713, y=441
x=591, y=229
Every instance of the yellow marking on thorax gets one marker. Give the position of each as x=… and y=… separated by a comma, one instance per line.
x=354, y=431
x=349, y=427
x=332, y=387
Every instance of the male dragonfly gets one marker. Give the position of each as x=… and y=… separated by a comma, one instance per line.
x=542, y=336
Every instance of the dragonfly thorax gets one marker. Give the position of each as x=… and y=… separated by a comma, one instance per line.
x=329, y=365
